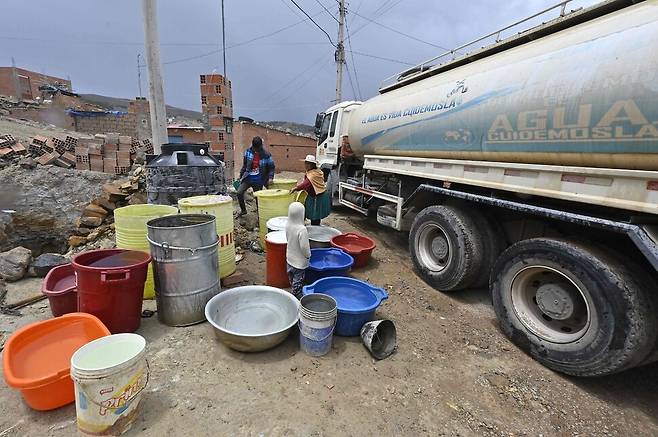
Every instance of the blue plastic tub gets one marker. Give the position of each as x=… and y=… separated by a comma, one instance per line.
x=357, y=301
x=327, y=262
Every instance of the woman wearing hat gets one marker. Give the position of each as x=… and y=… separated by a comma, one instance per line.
x=318, y=202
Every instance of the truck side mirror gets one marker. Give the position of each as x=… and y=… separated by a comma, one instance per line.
x=318, y=123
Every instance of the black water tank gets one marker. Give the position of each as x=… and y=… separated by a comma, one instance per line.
x=183, y=170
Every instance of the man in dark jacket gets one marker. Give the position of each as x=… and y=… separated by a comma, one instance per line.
x=257, y=171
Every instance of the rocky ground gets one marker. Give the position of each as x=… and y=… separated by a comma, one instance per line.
x=453, y=373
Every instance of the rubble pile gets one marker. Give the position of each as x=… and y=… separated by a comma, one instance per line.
x=97, y=219
x=108, y=153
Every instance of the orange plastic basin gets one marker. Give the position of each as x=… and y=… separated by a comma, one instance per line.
x=37, y=358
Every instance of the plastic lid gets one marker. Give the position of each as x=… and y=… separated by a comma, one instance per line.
x=277, y=237
x=277, y=223
x=211, y=199
x=272, y=193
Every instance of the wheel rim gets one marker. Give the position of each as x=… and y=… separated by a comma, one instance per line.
x=550, y=304
x=434, y=248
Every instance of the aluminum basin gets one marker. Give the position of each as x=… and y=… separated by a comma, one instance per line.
x=252, y=318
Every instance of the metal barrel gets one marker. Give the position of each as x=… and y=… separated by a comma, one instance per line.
x=184, y=251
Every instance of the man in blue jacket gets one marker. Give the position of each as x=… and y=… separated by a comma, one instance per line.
x=257, y=171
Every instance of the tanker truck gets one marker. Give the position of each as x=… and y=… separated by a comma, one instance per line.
x=529, y=166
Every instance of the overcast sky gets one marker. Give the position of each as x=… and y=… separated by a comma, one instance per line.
x=288, y=75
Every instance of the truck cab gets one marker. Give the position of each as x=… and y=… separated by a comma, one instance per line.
x=330, y=127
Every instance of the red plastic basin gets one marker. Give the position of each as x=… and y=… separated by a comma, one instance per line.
x=111, y=286
x=59, y=286
x=358, y=246
x=37, y=358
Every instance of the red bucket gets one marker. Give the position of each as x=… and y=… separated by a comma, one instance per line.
x=111, y=286
x=275, y=259
x=59, y=286
x=358, y=246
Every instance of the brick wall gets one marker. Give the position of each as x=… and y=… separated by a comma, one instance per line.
x=189, y=135
x=28, y=80
x=125, y=124
x=286, y=149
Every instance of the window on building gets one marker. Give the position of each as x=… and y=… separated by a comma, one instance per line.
x=218, y=89
x=230, y=103
x=228, y=124
x=204, y=100
x=219, y=109
x=220, y=136
x=229, y=84
x=208, y=144
x=203, y=79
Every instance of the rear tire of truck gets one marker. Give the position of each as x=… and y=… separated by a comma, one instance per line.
x=572, y=307
x=493, y=239
x=446, y=247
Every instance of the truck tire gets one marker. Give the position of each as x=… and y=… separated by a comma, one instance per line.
x=573, y=308
x=493, y=240
x=446, y=247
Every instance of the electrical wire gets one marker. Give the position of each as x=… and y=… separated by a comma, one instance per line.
x=400, y=33
x=349, y=76
x=356, y=76
x=314, y=22
x=378, y=16
x=327, y=10
x=397, y=61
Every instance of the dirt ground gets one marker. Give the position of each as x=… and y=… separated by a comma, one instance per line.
x=454, y=373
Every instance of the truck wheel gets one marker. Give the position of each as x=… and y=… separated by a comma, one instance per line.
x=493, y=240
x=446, y=247
x=573, y=308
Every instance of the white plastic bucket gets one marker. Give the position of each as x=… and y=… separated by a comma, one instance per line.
x=109, y=375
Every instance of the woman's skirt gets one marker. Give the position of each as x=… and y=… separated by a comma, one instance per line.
x=318, y=207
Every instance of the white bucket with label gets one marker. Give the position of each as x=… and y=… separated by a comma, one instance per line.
x=110, y=374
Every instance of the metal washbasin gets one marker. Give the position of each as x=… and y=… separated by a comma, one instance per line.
x=252, y=318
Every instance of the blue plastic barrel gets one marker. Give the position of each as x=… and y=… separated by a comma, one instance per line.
x=317, y=319
x=356, y=300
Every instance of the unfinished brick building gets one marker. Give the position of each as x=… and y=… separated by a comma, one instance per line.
x=217, y=106
x=27, y=81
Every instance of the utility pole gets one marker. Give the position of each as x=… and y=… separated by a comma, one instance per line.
x=156, y=88
x=339, y=55
x=223, y=39
x=139, y=75
x=17, y=85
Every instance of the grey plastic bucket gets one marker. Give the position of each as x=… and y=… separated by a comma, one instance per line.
x=317, y=319
x=184, y=251
x=379, y=337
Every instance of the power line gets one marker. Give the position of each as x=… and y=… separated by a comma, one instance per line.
x=397, y=61
x=399, y=32
x=327, y=10
x=285, y=85
x=203, y=55
x=313, y=21
x=383, y=11
x=349, y=76
x=356, y=76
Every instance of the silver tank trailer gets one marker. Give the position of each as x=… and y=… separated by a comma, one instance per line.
x=585, y=96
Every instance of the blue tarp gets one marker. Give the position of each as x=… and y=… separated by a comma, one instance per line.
x=93, y=113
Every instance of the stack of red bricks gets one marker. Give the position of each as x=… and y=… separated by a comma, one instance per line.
x=109, y=153
x=9, y=147
x=53, y=150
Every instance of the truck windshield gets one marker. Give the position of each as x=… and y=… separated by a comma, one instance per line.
x=324, y=130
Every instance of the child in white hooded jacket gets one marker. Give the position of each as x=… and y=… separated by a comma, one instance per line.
x=298, y=251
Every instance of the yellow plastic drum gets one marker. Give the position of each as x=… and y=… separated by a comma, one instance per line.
x=274, y=203
x=222, y=208
x=130, y=226
x=283, y=184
